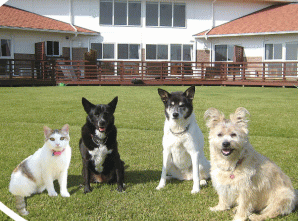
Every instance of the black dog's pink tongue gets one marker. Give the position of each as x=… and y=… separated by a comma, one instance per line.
x=102, y=129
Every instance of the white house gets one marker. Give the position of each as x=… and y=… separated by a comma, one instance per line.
x=152, y=30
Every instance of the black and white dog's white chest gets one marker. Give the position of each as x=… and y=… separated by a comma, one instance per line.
x=98, y=155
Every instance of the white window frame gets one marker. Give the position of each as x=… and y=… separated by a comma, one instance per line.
x=172, y=20
x=227, y=55
x=10, y=48
x=53, y=55
x=127, y=12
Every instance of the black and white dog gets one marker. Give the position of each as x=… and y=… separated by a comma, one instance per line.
x=98, y=146
x=183, y=141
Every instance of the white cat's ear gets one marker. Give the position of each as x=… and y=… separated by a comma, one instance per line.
x=47, y=131
x=65, y=129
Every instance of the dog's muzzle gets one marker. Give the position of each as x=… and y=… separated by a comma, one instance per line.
x=226, y=150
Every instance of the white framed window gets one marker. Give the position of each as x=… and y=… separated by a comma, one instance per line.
x=123, y=13
x=5, y=50
x=164, y=14
x=273, y=51
x=104, y=50
x=156, y=52
x=52, y=48
x=291, y=51
x=128, y=51
x=181, y=52
x=224, y=52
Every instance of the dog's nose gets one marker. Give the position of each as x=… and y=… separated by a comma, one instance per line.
x=175, y=115
x=226, y=144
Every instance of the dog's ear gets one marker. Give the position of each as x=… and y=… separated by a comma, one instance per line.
x=113, y=103
x=240, y=118
x=212, y=117
x=190, y=92
x=164, y=95
x=87, y=105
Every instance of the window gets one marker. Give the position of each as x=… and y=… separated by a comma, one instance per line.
x=181, y=52
x=52, y=48
x=120, y=12
x=165, y=14
x=5, y=48
x=291, y=51
x=273, y=51
x=224, y=52
x=156, y=52
x=104, y=51
x=128, y=51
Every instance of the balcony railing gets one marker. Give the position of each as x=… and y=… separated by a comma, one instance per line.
x=151, y=72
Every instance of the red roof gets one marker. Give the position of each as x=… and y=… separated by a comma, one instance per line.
x=271, y=20
x=11, y=17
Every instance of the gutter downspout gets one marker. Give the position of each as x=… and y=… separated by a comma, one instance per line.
x=75, y=29
x=212, y=20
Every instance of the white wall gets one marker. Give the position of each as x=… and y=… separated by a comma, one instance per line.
x=86, y=14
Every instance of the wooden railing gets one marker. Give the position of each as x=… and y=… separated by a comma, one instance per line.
x=151, y=72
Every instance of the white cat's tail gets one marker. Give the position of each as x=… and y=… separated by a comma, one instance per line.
x=21, y=205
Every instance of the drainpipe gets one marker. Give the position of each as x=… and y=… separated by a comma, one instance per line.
x=71, y=24
x=212, y=20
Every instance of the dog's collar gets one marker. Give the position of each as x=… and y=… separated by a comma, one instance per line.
x=232, y=176
x=98, y=141
x=182, y=132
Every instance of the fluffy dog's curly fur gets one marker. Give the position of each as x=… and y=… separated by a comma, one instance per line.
x=241, y=176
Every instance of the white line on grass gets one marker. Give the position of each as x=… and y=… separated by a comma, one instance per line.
x=10, y=213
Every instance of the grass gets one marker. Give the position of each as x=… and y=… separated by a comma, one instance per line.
x=139, y=119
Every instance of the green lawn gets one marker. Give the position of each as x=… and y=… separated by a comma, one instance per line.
x=139, y=119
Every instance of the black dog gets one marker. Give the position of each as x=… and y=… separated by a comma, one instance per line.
x=98, y=146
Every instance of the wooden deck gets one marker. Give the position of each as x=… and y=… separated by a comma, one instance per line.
x=45, y=73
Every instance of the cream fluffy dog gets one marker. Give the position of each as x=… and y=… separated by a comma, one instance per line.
x=241, y=176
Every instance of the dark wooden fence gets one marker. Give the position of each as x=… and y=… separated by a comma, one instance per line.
x=50, y=72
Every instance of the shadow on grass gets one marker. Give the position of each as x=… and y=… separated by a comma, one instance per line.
x=142, y=176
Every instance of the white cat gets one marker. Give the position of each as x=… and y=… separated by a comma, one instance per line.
x=38, y=171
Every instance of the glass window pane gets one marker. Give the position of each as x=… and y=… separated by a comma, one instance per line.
x=49, y=48
x=134, y=13
x=98, y=48
x=106, y=13
x=176, y=52
x=179, y=15
x=108, y=51
x=220, y=52
x=150, y=51
x=291, y=51
x=5, y=47
x=162, y=52
x=277, y=51
x=165, y=14
x=56, y=48
x=269, y=51
x=230, y=52
x=151, y=14
x=123, y=51
x=120, y=13
x=134, y=51
x=187, y=52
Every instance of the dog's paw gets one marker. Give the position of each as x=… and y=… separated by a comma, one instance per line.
x=203, y=182
x=53, y=193
x=195, y=191
x=159, y=187
x=87, y=190
x=120, y=189
x=218, y=208
x=65, y=194
x=255, y=217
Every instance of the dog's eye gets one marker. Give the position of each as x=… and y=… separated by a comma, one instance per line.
x=219, y=135
x=52, y=139
x=233, y=135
